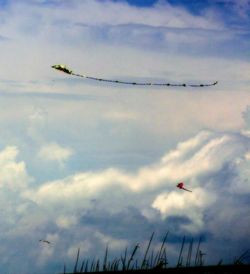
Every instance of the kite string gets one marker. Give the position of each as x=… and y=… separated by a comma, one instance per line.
x=143, y=84
x=66, y=70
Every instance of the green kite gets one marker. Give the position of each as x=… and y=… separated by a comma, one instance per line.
x=64, y=69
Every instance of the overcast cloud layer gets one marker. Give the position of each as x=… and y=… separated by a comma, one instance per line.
x=85, y=164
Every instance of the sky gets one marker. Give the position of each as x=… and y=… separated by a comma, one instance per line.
x=85, y=164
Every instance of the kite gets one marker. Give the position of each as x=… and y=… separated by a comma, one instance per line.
x=181, y=186
x=45, y=241
x=64, y=69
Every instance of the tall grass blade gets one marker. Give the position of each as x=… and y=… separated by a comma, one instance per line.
x=109, y=266
x=86, y=266
x=197, y=253
x=162, y=245
x=113, y=265
x=105, y=259
x=220, y=262
x=146, y=253
x=97, y=266
x=77, y=258
x=123, y=259
x=151, y=259
x=179, y=263
x=132, y=256
x=82, y=266
x=189, y=255
x=200, y=261
x=165, y=259
x=116, y=264
x=242, y=257
x=136, y=264
x=92, y=267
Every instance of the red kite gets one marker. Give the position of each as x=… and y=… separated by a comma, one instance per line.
x=181, y=186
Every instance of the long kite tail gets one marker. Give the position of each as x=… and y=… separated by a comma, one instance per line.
x=186, y=189
x=64, y=69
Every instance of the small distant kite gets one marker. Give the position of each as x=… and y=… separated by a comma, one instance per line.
x=64, y=69
x=181, y=186
x=45, y=241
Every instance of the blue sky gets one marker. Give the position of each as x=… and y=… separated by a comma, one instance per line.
x=85, y=164
x=139, y=3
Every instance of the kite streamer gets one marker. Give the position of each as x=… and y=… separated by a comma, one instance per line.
x=64, y=69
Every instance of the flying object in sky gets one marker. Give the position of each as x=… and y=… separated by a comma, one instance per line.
x=45, y=241
x=62, y=68
x=66, y=70
x=181, y=186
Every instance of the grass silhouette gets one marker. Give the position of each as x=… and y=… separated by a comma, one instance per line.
x=157, y=261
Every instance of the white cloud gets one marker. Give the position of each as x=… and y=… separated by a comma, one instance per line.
x=206, y=152
x=185, y=205
x=108, y=12
x=63, y=203
x=196, y=158
x=115, y=40
x=111, y=242
x=247, y=156
x=55, y=152
x=241, y=182
x=158, y=113
x=58, y=37
x=47, y=250
x=66, y=221
x=13, y=174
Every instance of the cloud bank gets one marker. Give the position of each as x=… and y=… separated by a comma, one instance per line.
x=78, y=202
x=84, y=164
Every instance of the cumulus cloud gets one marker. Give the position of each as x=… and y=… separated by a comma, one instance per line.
x=111, y=242
x=47, y=250
x=55, y=152
x=183, y=205
x=37, y=132
x=205, y=154
x=66, y=221
x=210, y=163
x=96, y=200
x=91, y=201
x=241, y=182
x=13, y=174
